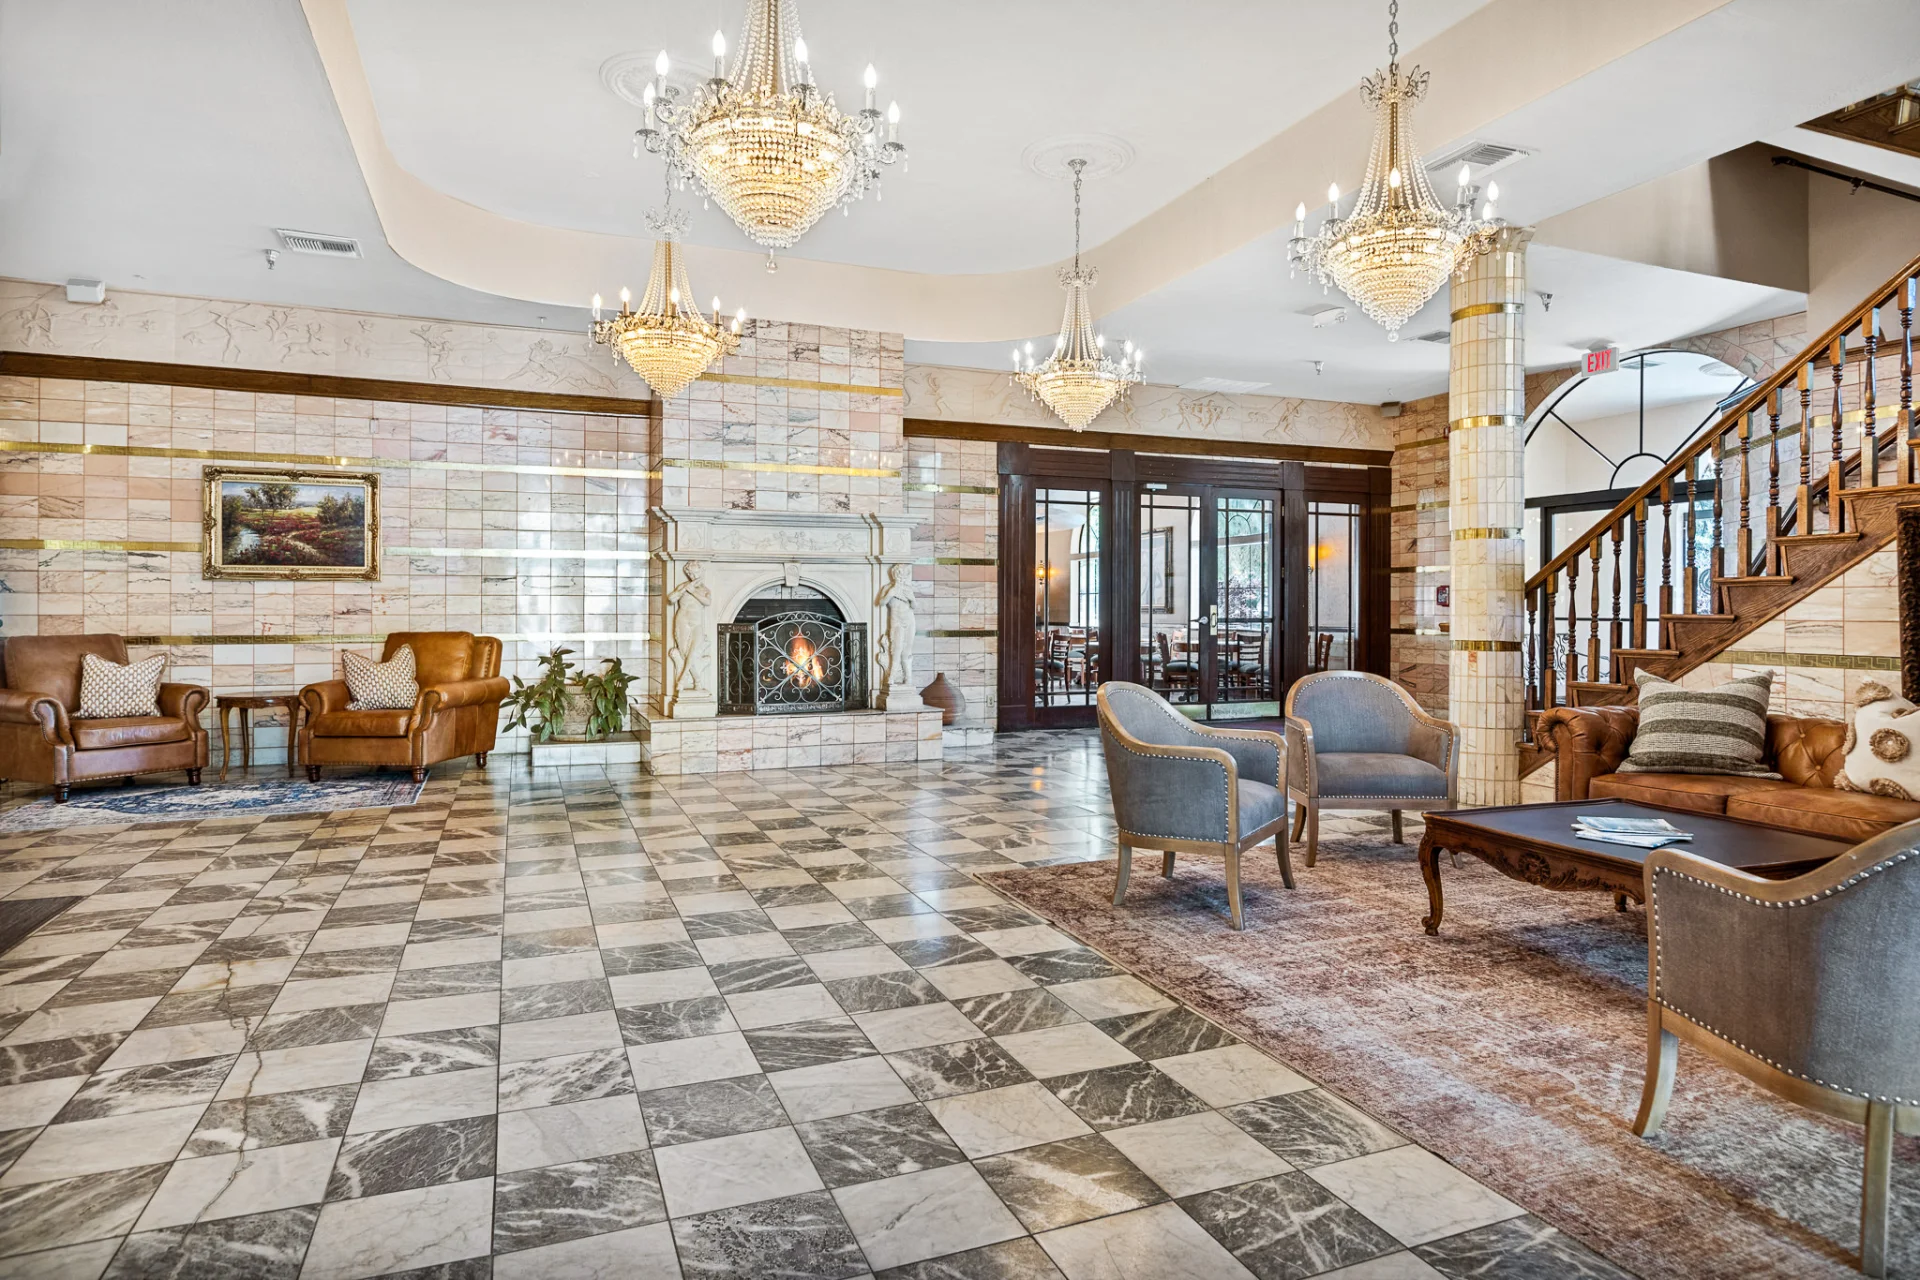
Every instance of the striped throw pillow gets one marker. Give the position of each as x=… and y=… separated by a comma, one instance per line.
x=382, y=686
x=1720, y=730
x=109, y=691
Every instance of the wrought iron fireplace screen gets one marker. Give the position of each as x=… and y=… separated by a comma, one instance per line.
x=798, y=660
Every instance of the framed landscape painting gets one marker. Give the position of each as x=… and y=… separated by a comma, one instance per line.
x=291, y=525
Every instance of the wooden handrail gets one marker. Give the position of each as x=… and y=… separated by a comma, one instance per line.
x=1753, y=401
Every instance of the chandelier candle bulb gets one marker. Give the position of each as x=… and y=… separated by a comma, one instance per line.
x=872, y=80
x=719, y=56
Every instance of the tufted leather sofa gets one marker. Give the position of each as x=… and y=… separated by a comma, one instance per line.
x=42, y=741
x=455, y=715
x=1590, y=742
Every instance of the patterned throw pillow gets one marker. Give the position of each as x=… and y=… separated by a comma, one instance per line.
x=109, y=691
x=1720, y=730
x=1883, y=745
x=382, y=686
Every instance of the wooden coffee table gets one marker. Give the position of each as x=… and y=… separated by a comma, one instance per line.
x=246, y=704
x=1535, y=843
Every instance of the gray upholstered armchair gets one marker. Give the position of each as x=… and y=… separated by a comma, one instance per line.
x=1804, y=986
x=1359, y=741
x=1180, y=787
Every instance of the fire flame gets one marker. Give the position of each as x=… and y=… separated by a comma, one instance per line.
x=803, y=665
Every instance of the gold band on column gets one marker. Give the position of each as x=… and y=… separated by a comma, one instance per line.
x=1488, y=309
x=1488, y=646
x=1459, y=534
x=1488, y=420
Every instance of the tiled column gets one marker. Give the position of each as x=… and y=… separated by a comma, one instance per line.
x=1486, y=418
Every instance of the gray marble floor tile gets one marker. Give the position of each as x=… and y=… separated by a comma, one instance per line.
x=405, y=1232
x=146, y=1088
x=1134, y=1093
x=1159, y=1242
x=803, y=1235
x=13, y=1142
x=927, y=1214
x=649, y=958
x=317, y=1026
x=882, y=991
x=1312, y=1127
x=1287, y=1226
x=1162, y=1033
x=869, y=1145
x=372, y=1164
x=711, y=1109
x=44, y=1215
x=1005, y=1012
x=54, y=1059
x=260, y=1246
x=429, y=1052
x=808, y=1044
x=965, y=1066
x=554, y=1000
x=448, y=980
x=1057, y=1183
x=674, y=1020
x=273, y=1120
x=1068, y=965
x=843, y=936
x=1414, y=1194
x=188, y=1007
x=762, y=974
x=720, y=924
x=574, y=1077
x=1021, y=1259
x=1523, y=1248
x=720, y=1173
x=928, y=953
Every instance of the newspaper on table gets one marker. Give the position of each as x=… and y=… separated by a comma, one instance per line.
x=1637, y=833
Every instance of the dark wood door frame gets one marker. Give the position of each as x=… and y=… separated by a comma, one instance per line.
x=1121, y=474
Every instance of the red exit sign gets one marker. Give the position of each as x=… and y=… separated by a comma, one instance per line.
x=1604, y=361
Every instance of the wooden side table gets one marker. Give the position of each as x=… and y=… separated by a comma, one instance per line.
x=246, y=704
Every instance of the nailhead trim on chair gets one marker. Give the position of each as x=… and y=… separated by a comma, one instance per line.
x=1225, y=790
x=1653, y=899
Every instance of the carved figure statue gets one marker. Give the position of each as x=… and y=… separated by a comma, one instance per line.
x=688, y=631
x=895, y=648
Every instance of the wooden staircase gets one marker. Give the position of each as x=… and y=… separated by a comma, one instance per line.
x=1766, y=555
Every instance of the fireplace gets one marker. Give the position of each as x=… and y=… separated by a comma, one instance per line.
x=790, y=650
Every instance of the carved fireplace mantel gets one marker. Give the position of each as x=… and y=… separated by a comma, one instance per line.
x=714, y=561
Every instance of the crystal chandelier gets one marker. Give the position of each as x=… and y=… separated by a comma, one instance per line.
x=667, y=341
x=1399, y=244
x=763, y=142
x=1078, y=381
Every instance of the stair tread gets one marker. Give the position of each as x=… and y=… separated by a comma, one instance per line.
x=1753, y=579
x=1846, y=535
x=1649, y=653
x=1699, y=617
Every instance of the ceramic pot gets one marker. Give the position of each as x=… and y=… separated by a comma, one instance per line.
x=945, y=696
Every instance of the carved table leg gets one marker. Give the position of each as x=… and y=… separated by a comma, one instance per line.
x=226, y=740
x=246, y=740
x=293, y=733
x=1430, y=872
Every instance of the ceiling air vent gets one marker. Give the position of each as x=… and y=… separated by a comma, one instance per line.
x=1438, y=335
x=1226, y=386
x=1483, y=156
x=312, y=242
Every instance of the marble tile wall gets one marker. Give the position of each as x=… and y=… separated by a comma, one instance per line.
x=952, y=489
x=531, y=526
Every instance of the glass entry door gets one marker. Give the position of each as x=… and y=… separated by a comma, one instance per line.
x=1209, y=586
x=1067, y=601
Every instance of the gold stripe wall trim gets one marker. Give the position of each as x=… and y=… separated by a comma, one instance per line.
x=76, y=544
x=443, y=553
x=801, y=384
x=532, y=637
x=1460, y=534
x=960, y=634
x=1488, y=646
x=1819, y=661
x=434, y=464
x=919, y=487
x=966, y=560
x=1419, y=444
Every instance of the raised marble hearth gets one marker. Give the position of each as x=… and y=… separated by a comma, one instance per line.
x=728, y=744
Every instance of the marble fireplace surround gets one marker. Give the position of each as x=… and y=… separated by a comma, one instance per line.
x=846, y=556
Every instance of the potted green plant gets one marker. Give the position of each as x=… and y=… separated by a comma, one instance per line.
x=570, y=703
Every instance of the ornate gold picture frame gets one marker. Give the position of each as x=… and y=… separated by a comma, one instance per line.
x=294, y=526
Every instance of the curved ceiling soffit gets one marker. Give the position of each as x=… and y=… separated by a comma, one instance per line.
x=1537, y=48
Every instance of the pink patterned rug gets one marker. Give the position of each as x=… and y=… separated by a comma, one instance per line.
x=1512, y=1045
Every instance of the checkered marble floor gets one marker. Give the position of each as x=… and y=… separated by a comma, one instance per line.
x=590, y=1023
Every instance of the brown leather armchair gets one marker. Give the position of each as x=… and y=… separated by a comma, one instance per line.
x=455, y=715
x=42, y=741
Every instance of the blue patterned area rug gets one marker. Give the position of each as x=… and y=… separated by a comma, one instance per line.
x=96, y=804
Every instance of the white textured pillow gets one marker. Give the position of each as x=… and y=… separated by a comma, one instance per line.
x=109, y=691
x=1883, y=745
x=382, y=686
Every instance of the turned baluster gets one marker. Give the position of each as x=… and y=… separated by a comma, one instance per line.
x=1690, y=576
x=1803, y=496
x=1593, y=615
x=1666, y=556
x=1716, y=558
x=1743, y=537
x=1614, y=624
x=1910, y=472
x=1836, y=510
x=1533, y=630
x=1771, y=530
x=1640, y=575
x=1549, y=673
x=1573, y=626
x=1869, y=428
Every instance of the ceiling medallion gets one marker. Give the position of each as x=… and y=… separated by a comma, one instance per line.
x=763, y=142
x=1399, y=244
x=1078, y=381
x=667, y=341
